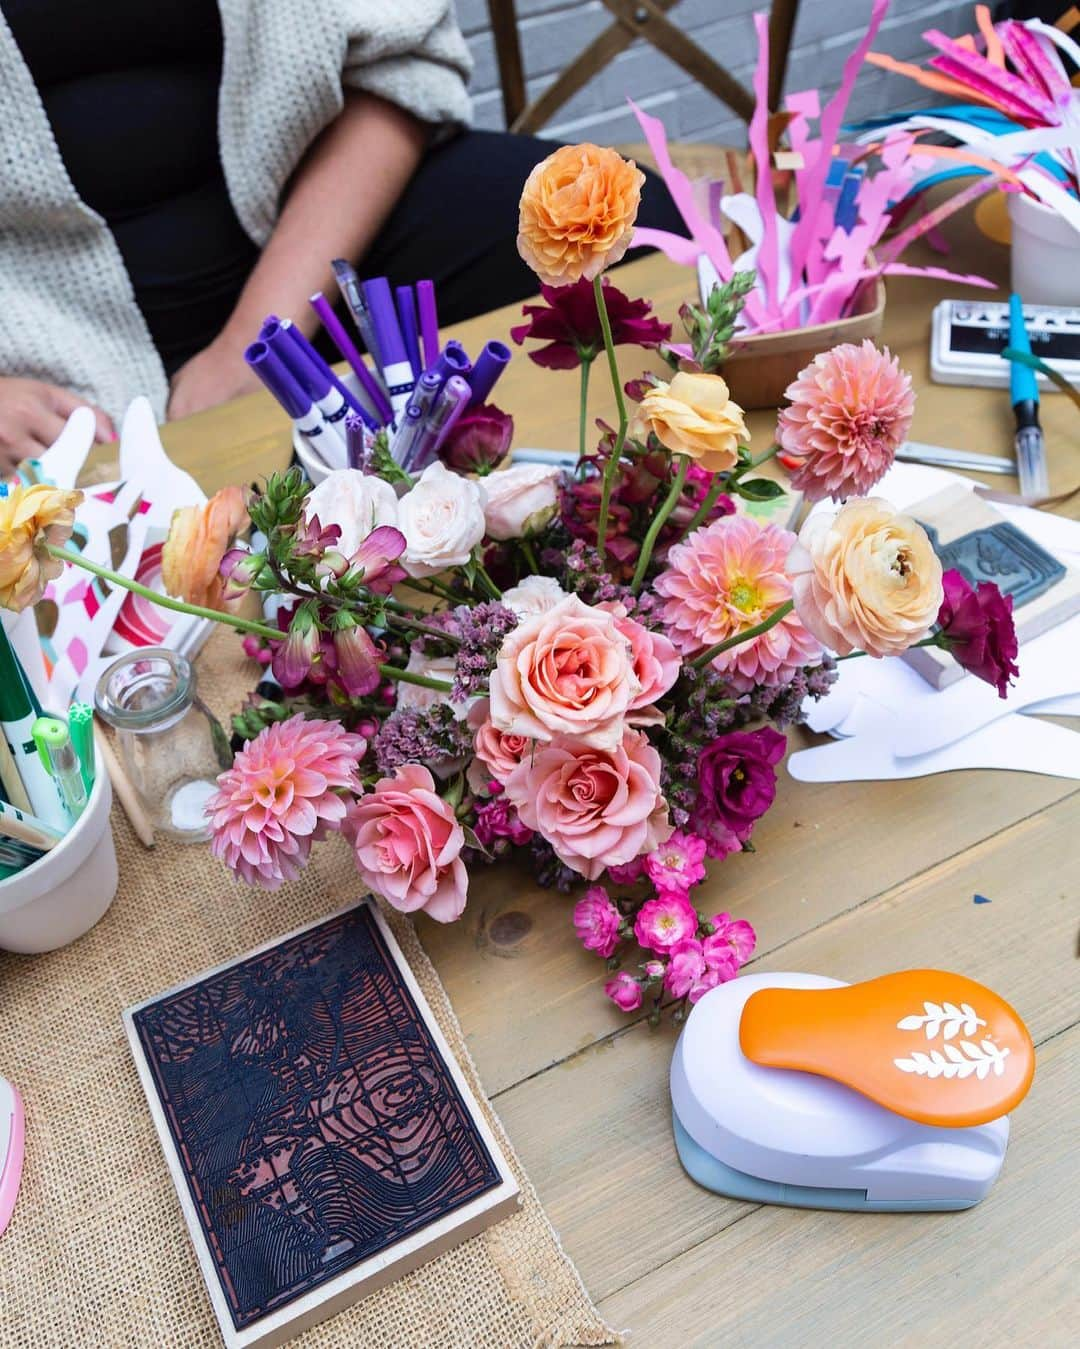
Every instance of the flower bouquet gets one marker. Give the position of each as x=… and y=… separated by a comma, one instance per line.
x=594, y=666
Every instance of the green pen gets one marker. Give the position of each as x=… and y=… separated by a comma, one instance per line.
x=58, y=756
x=18, y=713
x=81, y=726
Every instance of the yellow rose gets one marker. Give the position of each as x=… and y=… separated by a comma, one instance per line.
x=31, y=518
x=577, y=212
x=865, y=579
x=694, y=415
x=199, y=537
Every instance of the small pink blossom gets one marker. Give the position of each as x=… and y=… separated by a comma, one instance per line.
x=497, y=819
x=664, y=922
x=734, y=935
x=596, y=921
x=624, y=991
x=654, y=969
x=677, y=864
x=628, y=872
x=686, y=965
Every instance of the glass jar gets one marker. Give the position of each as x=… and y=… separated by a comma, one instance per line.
x=170, y=745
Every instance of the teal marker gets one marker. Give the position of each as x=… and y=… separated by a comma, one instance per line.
x=17, y=716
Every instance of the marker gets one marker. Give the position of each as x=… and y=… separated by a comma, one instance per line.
x=406, y=308
x=81, y=726
x=410, y=425
x=306, y=417
x=397, y=372
x=58, y=758
x=318, y=382
x=452, y=360
x=17, y=717
x=356, y=363
x=22, y=827
x=490, y=364
x=447, y=408
x=429, y=321
x=1024, y=395
x=352, y=293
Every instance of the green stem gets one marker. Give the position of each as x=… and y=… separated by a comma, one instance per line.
x=611, y=468
x=934, y=640
x=415, y=626
x=658, y=523
x=215, y=615
x=717, y=485
x=530, y=554
x=583, y=423
x=747, y=635
x=486, y=581
x=773, y=449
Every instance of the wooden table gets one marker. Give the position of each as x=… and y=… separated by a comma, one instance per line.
x=848, y=880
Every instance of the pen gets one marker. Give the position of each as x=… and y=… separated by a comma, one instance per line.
x=11, y=785
x=1024, y=395
x=21, y=827
x=429, y=321
x=343, y=342
x=352, y=293
x=406, y=308
x=81, y=726
x=17, y=717
x=58, y=757
x=442, y=415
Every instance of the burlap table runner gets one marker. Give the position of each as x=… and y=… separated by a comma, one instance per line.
x=97, y=1253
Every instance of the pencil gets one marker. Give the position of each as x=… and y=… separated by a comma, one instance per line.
x=125, y=792
x=10, y=783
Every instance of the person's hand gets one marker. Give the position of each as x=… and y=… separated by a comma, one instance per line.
x=32, y=415
x=212, y=376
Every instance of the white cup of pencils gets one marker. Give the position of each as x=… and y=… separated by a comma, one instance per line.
x=58, y=870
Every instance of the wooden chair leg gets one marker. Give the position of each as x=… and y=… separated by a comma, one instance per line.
x=782, y=19
x=504, y=30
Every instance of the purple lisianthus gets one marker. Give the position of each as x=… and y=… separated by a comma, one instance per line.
x=736, y=786
x=570, y=325
x=977, y=627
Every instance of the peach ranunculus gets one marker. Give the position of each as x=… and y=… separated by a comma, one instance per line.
x=694, y=415
x=865, y=578
x=31, y=518
x=568, y=671
x=656, y=662
x=597, y=808
x=498, y=753
x=198, y=538
x=408, y=843
x=577, y=213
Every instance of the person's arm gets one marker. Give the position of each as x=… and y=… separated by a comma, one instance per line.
x=342, y=192
x=32, y=415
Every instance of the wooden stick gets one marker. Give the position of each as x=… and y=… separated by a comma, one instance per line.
x=11, y=782
x=125, y=791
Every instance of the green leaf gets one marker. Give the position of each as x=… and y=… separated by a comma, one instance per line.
x=758, y=489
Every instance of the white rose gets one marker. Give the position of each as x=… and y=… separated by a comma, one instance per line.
x=534, y=595
x=521, y=499
x=356, y=502
x=442, y=518
x=414, y=696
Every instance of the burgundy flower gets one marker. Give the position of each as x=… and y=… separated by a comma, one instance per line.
x=736, y=786
x=478, y=441
x=357, y=660
x=300, y=651
x=976, y=625
x=569, y=324
x=376, y=559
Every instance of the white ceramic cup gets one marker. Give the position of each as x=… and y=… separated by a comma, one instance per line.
x=310, y=462
x=63, y=894
x=1045, y=258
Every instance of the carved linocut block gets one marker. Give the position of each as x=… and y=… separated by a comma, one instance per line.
x=320, y=1135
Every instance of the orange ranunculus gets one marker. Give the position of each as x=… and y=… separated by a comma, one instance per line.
x=31, y=518
x=577, y=213
x=199, y=537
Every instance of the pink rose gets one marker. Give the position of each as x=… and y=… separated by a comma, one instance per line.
x=597, y=808
x=678, y=865
x=624, y=991
x=596, y=921
x=521, y=500
x=732, y=938
x=499, y=752
x=408, y=845
x=565, y=672
x=656, y=663
x=664, y=922
x=686, y=964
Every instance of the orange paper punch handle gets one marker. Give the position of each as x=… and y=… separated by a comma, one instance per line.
x=929, y=1045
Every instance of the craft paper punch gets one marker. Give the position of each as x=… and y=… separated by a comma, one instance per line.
x=890, y=1095
x=11, y=1149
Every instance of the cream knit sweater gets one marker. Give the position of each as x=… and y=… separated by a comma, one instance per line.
x=67, y=307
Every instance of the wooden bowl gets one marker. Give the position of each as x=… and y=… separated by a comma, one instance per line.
x=762, y=367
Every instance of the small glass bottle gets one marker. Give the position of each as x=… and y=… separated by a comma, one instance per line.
x=170, y=745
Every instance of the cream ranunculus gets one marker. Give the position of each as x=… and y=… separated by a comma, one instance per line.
x=356, y=502
x=521, y=499
x=694, y=415
x=442, y=518
x=30, y=519
x=865, y=578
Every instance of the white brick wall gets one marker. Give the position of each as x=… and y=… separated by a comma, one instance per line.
x=552, y=32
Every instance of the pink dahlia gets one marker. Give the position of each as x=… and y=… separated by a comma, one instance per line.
x=850, y=410
x=282, y=793
x=726, y=578
x=677, y=864
x=663, y=922
x=596, y=921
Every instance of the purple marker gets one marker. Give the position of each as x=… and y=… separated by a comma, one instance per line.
x=307, y=357
x=357, y=441
x=406, y=307
x=397, y=372
x=452, y=361
x=344, y=344
x=447, y=408
x=429, y=321
x=279, y=379
x=490, y=364
x=317, y=381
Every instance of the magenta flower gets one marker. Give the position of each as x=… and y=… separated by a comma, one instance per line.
x=497, y=819
x=627, y=873
x=596, y=921
x=300, y=651
x=686, y=965
x=677, y=864
x=664, y=921
x=977, y=627
x=654, y=969
x=356, y=657
x=239, y=570
x=479, y=440
x=283, y=792
x=624, y=991
x=376, y=559
x=570, y=325
x=731, y=939
x=736, y=786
